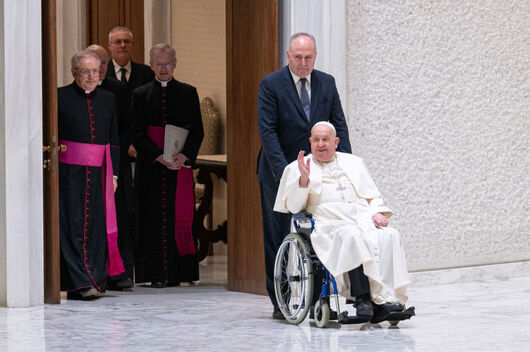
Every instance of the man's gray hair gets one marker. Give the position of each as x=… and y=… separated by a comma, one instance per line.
x=162, y=47
x=120, y=29
x=85, y=54
x=300, y=34
x=325, y=123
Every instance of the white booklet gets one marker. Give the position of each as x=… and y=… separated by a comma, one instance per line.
x=174, y=140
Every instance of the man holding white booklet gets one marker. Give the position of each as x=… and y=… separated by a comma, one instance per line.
x=167, y=135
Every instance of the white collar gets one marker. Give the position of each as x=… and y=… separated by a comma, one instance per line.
x=117, y=67
x=297, y=78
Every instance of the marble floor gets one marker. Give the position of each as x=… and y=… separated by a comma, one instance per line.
x=487, y=315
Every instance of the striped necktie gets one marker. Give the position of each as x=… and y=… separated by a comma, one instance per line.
x=304, y=96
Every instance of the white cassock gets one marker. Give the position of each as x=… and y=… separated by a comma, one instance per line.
x=342, y=197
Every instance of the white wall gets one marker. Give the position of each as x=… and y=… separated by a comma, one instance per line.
x=325, y=20
x=439, y=108
x=71, y=36
x=21, y=200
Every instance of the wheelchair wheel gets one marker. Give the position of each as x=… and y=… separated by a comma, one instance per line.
x=293, y=278
x=322, y=313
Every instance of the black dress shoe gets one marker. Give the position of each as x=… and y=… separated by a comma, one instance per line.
x=126, y=283
x=363, y=308
x=383, y=311
x=85, y=294
x=277, y=314
x=158, y=284
x=120, y=285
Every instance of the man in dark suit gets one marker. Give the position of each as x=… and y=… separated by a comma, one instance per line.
x=132, y=75
x=124, y=193
x=121, y=45
x=290, y=102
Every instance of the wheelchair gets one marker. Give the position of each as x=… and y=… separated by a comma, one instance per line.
x=296, y=269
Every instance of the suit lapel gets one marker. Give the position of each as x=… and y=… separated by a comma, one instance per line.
x=111, y=72
x=315, y=95
x=293, y=93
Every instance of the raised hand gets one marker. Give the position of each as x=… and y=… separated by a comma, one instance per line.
x=304, y=169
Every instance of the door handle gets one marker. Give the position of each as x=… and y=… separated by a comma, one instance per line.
x=50, y=160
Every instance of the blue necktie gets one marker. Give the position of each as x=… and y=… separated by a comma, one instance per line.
x=306, y=104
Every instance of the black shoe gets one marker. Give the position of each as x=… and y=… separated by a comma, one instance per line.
x=158, y=284
x=127, y=283
x=383, y=311
x=332, y=314
x=277, y=314
x=85, y=294
x=363, y=307
x=120, y=285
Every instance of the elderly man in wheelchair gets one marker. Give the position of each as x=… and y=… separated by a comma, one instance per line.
x=349, y=235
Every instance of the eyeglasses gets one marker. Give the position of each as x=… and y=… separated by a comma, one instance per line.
x=121, y=41
x=165, y=65
x=86, y=73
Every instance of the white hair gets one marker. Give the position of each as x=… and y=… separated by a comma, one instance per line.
x=325, y=123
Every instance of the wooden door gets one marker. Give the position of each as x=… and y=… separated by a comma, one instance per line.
x=103, y=15
x=252, y=52
x=52, y=284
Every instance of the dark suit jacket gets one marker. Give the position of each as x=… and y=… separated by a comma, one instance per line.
x=122, y=106
x=140, y=75
x=283, y=126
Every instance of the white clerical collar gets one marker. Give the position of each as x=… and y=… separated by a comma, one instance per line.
x=297, y=78
x=100, y=82
x=117, y=67
x=164, y=83
x=324, y=163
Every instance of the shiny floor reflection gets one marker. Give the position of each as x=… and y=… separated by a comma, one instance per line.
x=474, y=316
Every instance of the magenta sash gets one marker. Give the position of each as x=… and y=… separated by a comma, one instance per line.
x=99, y=155
x=184, y=199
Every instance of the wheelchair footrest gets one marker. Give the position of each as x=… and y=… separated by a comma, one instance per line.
x=394, y=315
x=345, y=319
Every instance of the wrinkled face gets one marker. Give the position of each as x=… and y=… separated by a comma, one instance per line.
x=121, y=46
x=323, y=143
x=104, y=59
x=163, y=65
x=87, y=75
x=301, y=56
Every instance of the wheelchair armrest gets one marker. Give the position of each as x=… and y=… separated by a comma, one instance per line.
x=302, y=214
x=304, y=223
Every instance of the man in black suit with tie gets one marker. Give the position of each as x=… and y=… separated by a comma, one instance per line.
x=132, y=75
x=124, y=190
x=290, y=102
x=121, y=67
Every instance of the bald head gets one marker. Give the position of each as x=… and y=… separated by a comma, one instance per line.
x=103, y=58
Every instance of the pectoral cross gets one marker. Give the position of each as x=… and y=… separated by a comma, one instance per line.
x=340, y=188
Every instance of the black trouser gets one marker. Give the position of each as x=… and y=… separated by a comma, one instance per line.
x=275, y=227
x=358, y=282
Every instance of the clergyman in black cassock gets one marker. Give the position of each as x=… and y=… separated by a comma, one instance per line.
x=87, y=120
x=160, y=259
